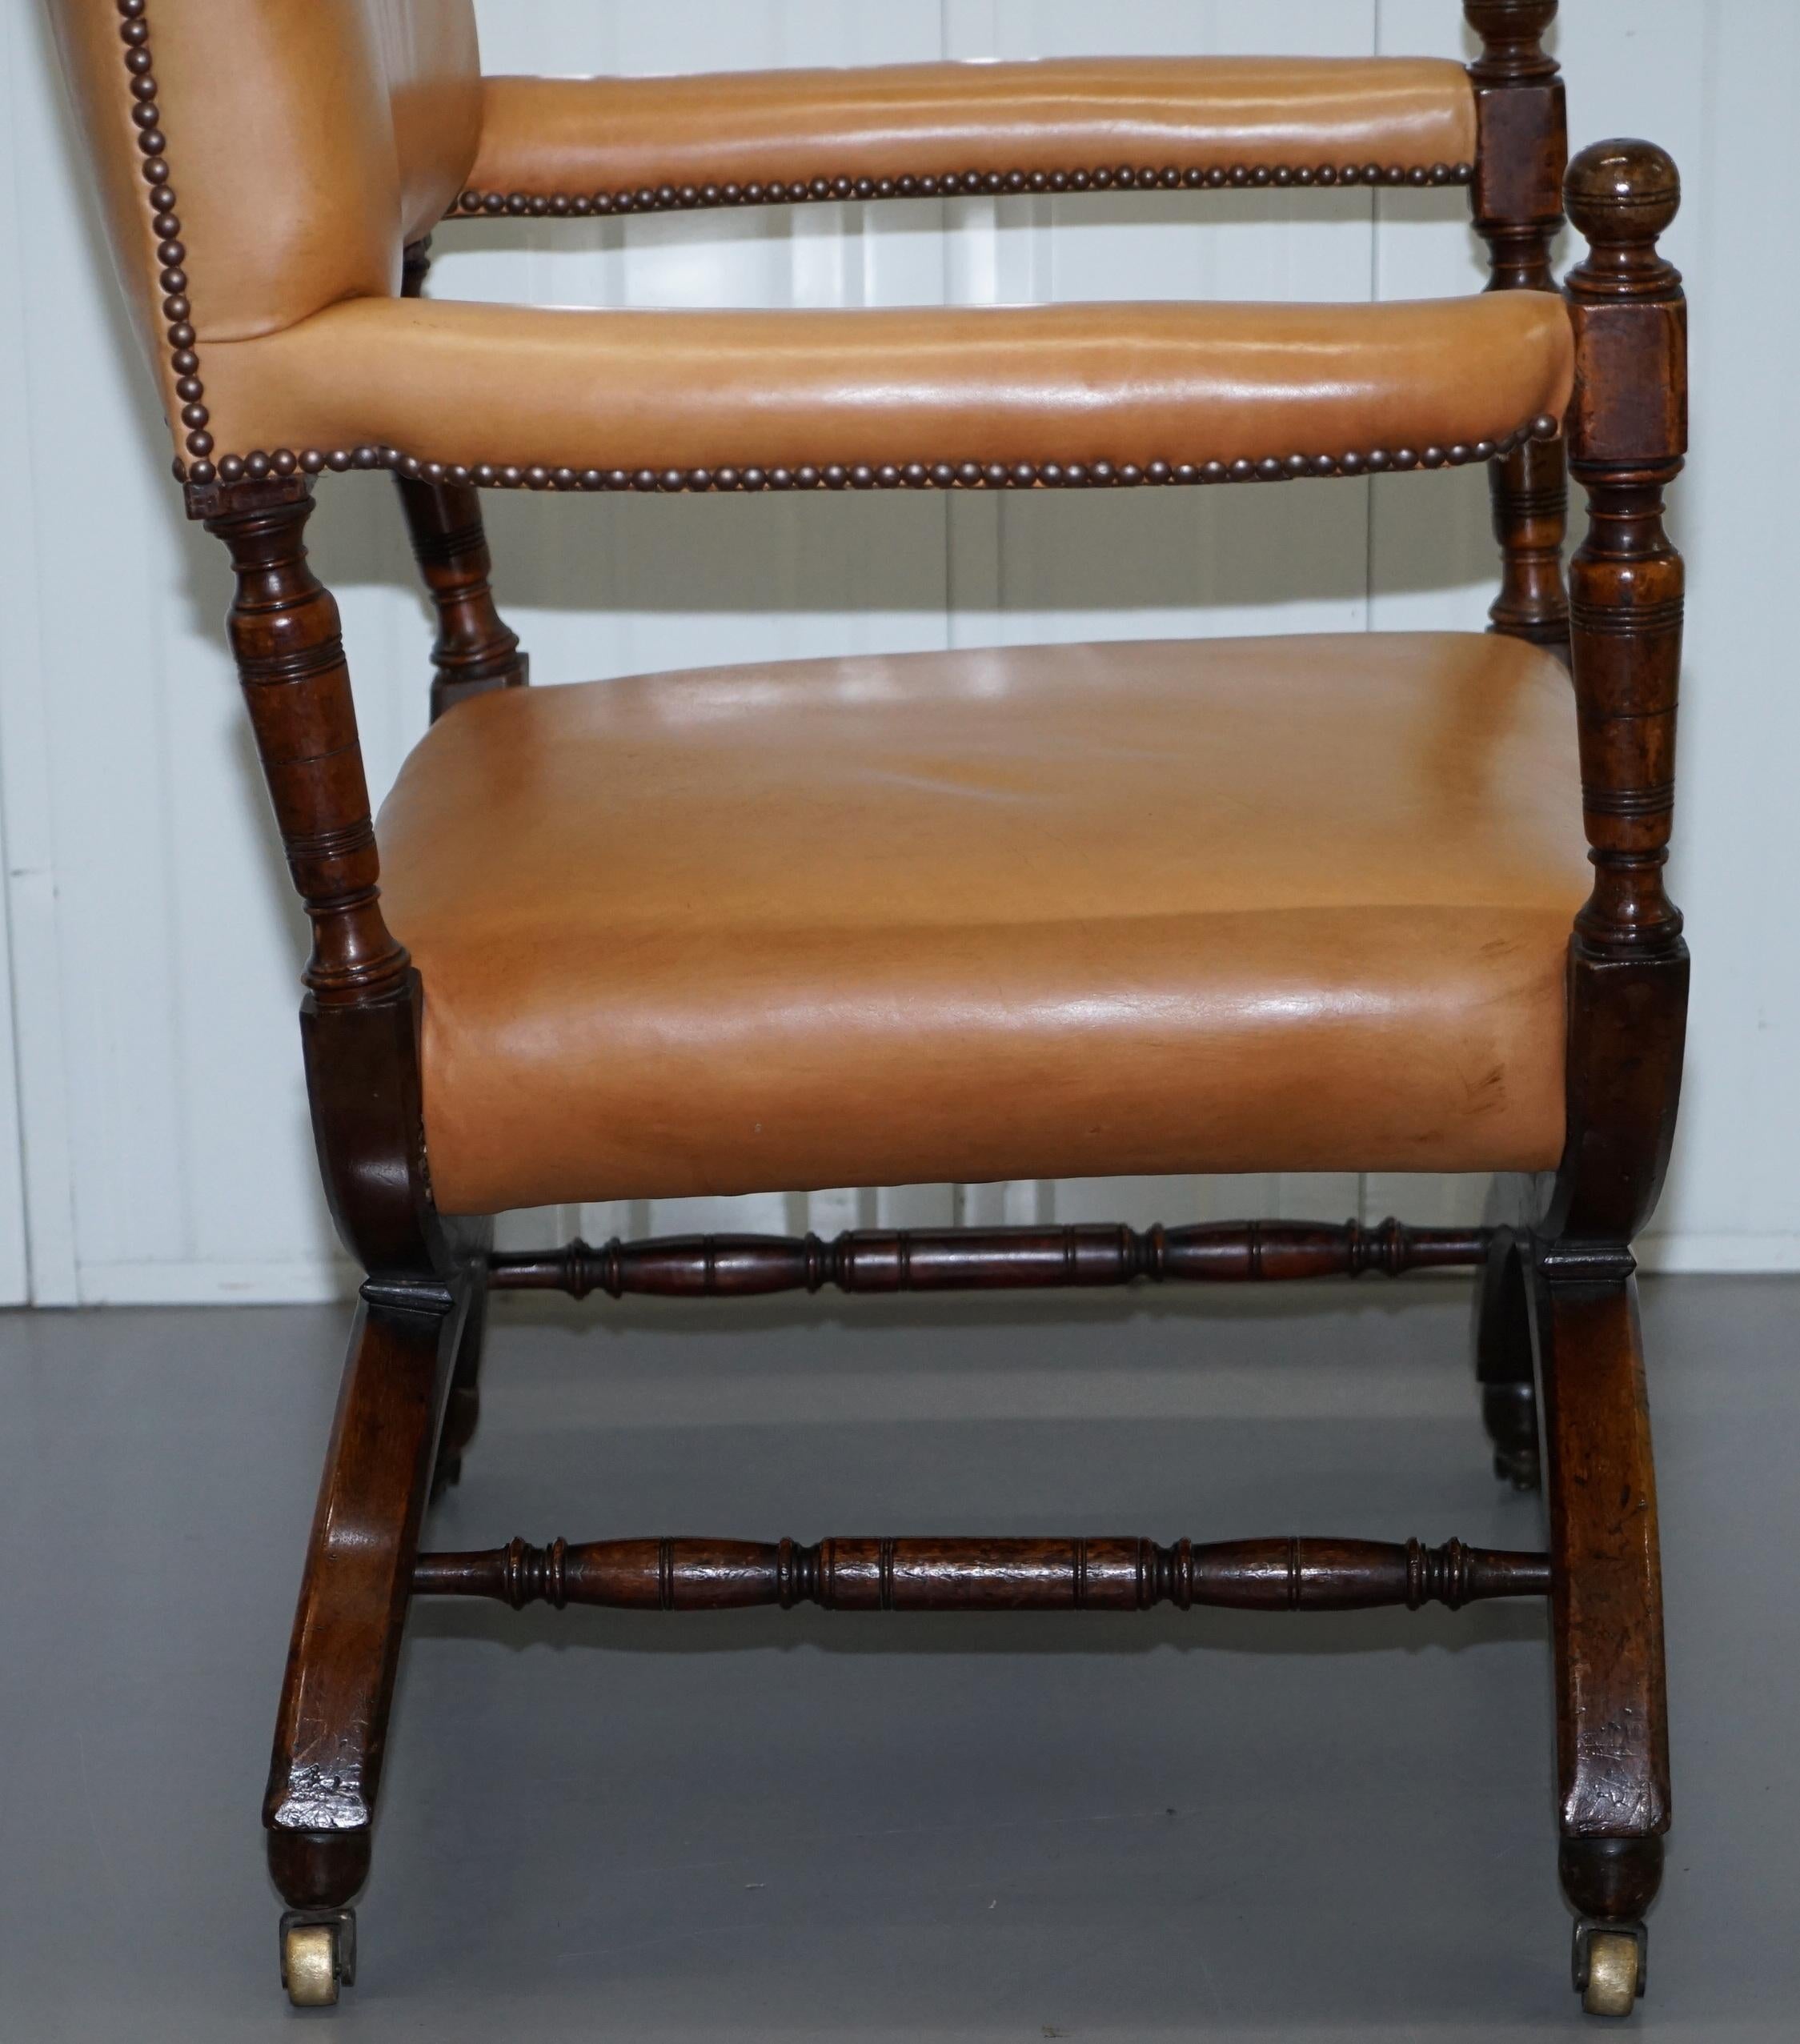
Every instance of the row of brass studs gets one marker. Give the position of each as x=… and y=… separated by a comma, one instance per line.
x=177, y=308
x=864, y=475
x=670, y=199
x=171, y=252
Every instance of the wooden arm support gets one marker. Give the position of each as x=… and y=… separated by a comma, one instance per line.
x=1627, y=437
x=985, y=1575
x=1522, y=120
x=475, y=651
x=983, y=1258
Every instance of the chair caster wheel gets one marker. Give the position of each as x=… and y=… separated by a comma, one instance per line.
x=1609, y=1967
x=318, y=1956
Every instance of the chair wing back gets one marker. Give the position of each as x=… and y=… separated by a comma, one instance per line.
x=305, y=141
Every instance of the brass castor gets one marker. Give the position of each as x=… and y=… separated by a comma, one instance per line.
x=318, y=1956
x=1609, y=1967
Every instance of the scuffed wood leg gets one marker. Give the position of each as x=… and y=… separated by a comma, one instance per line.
x=1606, y=1605
x=1503, y=1364
x=332, y=1727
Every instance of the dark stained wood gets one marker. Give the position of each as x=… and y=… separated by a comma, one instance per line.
x=980, y=1259
x=475, y=651
x=1606, y=1604
x=332, y=1730
x=985, y=1575
x=1523, y=129
x=1627, y=433
x=360, y=1018
x=289, y=648
x=463, y=1409
x=1503, y=1363
x=1611, y=1880
x=1529, y=490
x=367, y=1103
x=1627, y=436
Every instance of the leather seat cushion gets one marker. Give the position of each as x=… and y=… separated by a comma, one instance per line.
x=1248, y=905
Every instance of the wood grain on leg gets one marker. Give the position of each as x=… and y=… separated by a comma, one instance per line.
x=1606, y=1600
x=332, y=1727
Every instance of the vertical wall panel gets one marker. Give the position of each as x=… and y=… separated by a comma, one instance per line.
x=37, y=1210
x=162, y=1149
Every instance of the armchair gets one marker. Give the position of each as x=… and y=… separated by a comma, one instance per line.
x=1374, y=902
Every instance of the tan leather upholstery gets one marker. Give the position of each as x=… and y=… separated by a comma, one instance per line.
x=585, y=135
x=470, y=383
x=308, y=140
x=1291, y=904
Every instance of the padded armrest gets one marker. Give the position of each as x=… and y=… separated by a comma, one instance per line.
x=583, y=140
x=618, y=392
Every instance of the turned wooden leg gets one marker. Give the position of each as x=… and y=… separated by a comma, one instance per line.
x=1606, y=1605
x=1503, y=1363
x=1530, y=493
x=475, y=650
x=462, y=1411
x=333, y=1723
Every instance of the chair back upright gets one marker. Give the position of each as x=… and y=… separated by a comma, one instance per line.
x=316, y=139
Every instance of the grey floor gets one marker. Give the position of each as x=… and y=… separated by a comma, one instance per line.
x=758, y=1827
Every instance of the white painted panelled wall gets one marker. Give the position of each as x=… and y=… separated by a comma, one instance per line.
x=154, y=1145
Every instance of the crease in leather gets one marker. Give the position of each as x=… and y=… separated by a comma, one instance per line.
x=549, y=135
x=308, y=140
x=1288, y=904
x=468, y=383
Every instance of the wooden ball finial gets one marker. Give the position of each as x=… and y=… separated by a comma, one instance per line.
x=1623, y=193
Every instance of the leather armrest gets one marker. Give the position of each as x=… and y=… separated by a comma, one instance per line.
x=615, y=393
x=610, y=143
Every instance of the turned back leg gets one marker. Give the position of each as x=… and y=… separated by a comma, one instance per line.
x=1503, y=1362
x=474, y=650
x=462, y=1410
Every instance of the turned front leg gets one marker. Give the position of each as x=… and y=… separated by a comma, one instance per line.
x=1503, y=1363
x=1627, y=439
x=1628, y=1000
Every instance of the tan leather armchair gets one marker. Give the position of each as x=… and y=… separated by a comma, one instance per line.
x=1331, y=903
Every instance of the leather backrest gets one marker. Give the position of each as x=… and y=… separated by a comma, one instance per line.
x=307, y=141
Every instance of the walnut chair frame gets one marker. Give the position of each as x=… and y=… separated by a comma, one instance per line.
x=1558, y=1321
